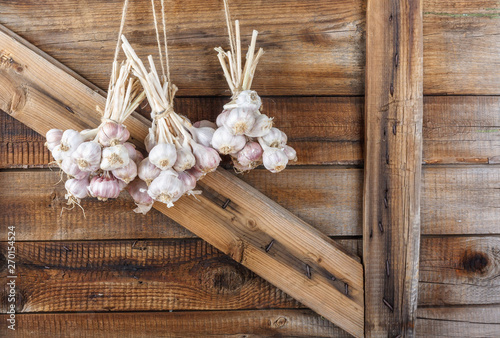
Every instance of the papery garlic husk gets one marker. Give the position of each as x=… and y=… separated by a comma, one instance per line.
x=147, y=171
x=150, y=141
x=261, y=127
x=111, y=134
x=290, y=153
x=104, y=187
x=249, y=99
x=53, y=137
x=114, y=157
x=69, y=166
x=188, y=180
x=185, y=159
x=205, y=123
x=166, y=188
x=274, y=138
x=274, y=159
x=70, y=140
x=222, y=118
x=240, y=168
x=78, y=189
x=163, y=155
x=203, y=135
x=226, y=143
x=126, y=174
x=251, y=153
x=207, y=159
x=87, y=156
x=240, y=121
x=138, y=189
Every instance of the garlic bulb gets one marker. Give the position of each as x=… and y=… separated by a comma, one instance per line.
x=290, y=153
x=58, y=154
x=205, y=123
x=207, y=159
x=87, y=156
x=226, y=143
x=221, y=119
x=240, y=121
x=166, y=188
x=53, y=137
x=203, y=135
x=274, y=138
x=111, y=134
x=133, y=154
x=163, y=155
x=185, y=159
x=274, y=159
x=71, y=169
x=196, y=172
x=250, y=154
x=114, y=157
x=139, y=192
x=249, y=99
x=104, y=187
x=261, y=127
x=240, y=168
x=77, y=189
x=70, y=140
x=147, y=171
x=188, y=180
x=127, y=173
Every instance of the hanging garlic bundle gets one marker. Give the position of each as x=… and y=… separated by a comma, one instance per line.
x=179, y=153
x=100, y=162
x=243, y=131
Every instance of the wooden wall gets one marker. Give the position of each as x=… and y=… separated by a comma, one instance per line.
x=106, y=270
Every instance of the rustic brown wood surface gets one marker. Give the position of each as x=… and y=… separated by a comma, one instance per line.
x=256, y=323
x=393, y=162
x=243, y=229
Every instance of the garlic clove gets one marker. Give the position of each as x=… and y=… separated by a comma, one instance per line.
x=205, y=123
x=166, y=188
x=185, y=159
x=240, y=121
x=226, y=143
x=112, y=133
x=203, y=135
x=249, y=99
x=104, y=187
x=262, y=126
x=126, y=174
x=274, y=159
x=274, y=138
x=138, y=189
x=114, y=157
x=207, y=159
x=87, y=156
x=147, y=171
x=53, y=137
x=290, y=153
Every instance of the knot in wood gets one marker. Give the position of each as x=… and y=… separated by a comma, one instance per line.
x=279, y=322
x=474, y=261
x=224, y=275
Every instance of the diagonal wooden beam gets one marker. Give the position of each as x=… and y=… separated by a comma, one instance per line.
x=230, y=214
x=393, y=120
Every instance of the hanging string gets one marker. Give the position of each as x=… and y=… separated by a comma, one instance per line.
x=158, y=37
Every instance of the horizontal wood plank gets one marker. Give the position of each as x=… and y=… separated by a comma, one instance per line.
x=323, y=130
x=289, y=323
x=465, y=321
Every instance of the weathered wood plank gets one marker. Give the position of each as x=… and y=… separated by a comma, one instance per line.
x=393, y=161
x=466, y=321
x=242, y=230
x=315, y=47
x=289, y=323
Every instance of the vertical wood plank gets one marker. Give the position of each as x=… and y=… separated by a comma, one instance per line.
x=391, y=198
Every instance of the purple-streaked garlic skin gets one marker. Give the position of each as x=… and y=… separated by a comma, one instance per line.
x=188, y=180
x=111, y=134
x=207, y=159
x=147, y=171
x=185, y=159
x=290, y=153
x=87, y=156
x=226, y=143
x=166, y=188
x=240, y=121
x=274, y=159
x=130, y=150
x=69, y=166
x=262, y=126
x=138, y=189
x=53, y=137
x=203, y=135
x=196, y=172
x=251, y=153
x=77, y=188
x=249, y=99
x=205, y=123
x=114, y=157
x=104, y=187
x=163, y=155
x=128, y=173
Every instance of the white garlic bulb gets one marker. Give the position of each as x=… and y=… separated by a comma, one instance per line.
x=207, y=159
x=274, y=138
x=185, y=159
x=261, y=127
x=53, y=137
x=139, y=192
x=226, y=143
x=104, y=187
x=147, y=171
x=70, y=140
x=203, y=135
x=249, y=99
x=77, y=189
x=69, y=166
x=250, y=155
x=274, y=159
x=188, y=180
x=240, y=121
x=163, y=155
x=127, y=173
x=166, y=188
x=87, y=156
x=111, y=134
x=114, y=157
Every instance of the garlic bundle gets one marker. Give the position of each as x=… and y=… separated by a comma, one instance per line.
x=179, y=152
x=100, y=162
x=243, y=131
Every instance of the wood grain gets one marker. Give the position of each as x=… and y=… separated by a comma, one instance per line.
x=312, y=47
x=269, y=323
x=242, y=230
x=393, y=162
x=466, y=321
